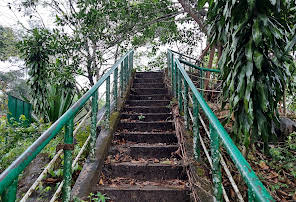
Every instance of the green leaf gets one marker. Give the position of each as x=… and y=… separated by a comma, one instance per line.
x=256, y=33
x=249, y=70
x=263, y=101
x=249, y=51
x=251, y=4
x=201, y=3
x=258, y=59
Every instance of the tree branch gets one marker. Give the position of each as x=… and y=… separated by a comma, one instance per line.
x=197, y=16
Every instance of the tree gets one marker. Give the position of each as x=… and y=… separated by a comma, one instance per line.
x=255, y=62
x=7, y=43
x=97, y=32
x=13, y=83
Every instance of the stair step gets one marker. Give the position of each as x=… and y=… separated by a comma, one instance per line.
x=147, y=126
x=147, y=116
x=145, y=109
x=145, y=151
x=150, y=97
x=148, y=80
x=148, y=102
x=141, y=171
x=148, y=85
x=152, y=151
x=146, y=137
x=136, y=193
x=148, y=91
x=148, y=74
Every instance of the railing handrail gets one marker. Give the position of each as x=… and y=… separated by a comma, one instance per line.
x=199, y=68
x=243, y=166
x=184, y=55
x=12, y=172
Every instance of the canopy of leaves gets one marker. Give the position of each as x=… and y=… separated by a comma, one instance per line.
x=87, y=35
x=38, y=51
x=7, y=43
x=258, y=36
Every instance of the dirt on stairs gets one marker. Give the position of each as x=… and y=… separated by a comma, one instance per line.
x=142, y=164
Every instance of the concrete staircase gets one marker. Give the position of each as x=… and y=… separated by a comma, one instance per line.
x=142, y=165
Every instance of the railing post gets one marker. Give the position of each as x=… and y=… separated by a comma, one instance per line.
x=124, y=74
x=132, y=54
x=108, y=98
x=115, y=88
x=93, y=129
x=179, y=90
x=196, y=141
x=128, y=67
x=186, y=112
x=168, y=63
x=172, y=70
x=202, y=82
x=68, y=148
x=175, y=80
x=216, y=171
x=9, y=194
x=251, y=197
x=121, y=79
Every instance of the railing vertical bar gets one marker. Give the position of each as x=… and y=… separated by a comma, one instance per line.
x=196, y=140
x=115, y=86
x=132, y=54
x=93, y=129
x=125, y=72
x=129, y=67
x=172, y=70
x=179, y=91
x=168, y=62
x=202, y=82
x=68, y=140
x=186, y=115
x=251, y=197
x=216, y=171
x=175, y=79
x=9, y=194
x=108, y=110
x=121, y=79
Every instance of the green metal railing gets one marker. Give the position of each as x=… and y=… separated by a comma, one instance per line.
x=185, y=92
x=197, y=74
x=9, y=178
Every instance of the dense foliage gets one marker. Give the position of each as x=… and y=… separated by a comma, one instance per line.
x=7, y=43
x=258, y=37
x=38, y=51
x=95, y=29
x=15, y=139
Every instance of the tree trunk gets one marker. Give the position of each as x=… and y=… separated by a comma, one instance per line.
x=193, y=13
x=284, y=102
x=219, y=51
x=213, y=50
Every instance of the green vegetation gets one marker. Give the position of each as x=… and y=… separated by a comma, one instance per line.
x=255, y=63
x=8, y=42
x=15, y=139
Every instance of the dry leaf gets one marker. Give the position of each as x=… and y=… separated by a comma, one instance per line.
x=294, y=196
x=101, y=182
x=51, y=180
x=166, y=162
x=263, y=165
x=132, y=182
